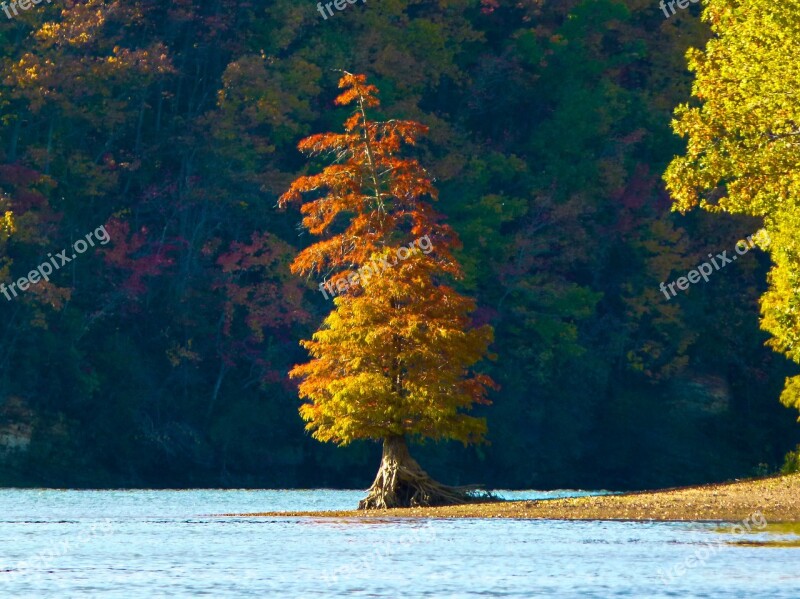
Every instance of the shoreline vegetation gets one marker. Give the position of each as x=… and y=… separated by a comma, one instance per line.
x=776, y=497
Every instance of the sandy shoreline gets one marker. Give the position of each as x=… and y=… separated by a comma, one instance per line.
x=777, y=498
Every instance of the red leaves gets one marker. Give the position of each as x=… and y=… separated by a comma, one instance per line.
x=489, y=6
x=379, y=191
x=357, y=89
x=325, y=142
x=140, y=256
x=252, y=287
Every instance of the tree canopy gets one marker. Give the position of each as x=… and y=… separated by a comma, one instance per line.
x=392, y=358
x=743, y=133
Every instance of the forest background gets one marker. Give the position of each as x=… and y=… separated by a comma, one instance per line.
x=161, y=359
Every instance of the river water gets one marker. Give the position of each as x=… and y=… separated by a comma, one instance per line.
x=150, y=544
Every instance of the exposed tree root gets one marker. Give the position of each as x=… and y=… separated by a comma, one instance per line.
x=401, y=482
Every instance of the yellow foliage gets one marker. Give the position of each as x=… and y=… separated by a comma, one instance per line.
x=6, y=224
x=791, y=393
x=394, y=360
x=743, y=136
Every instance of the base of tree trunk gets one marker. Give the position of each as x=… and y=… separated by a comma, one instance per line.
x=401, y=482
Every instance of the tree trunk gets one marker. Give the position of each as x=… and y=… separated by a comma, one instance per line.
x=402, y=483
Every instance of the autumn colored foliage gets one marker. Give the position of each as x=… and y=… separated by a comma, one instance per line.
x=741, y=153
x=393, y=358
x=161, y=359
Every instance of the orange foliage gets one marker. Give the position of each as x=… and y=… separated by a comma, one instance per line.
x=395, y=356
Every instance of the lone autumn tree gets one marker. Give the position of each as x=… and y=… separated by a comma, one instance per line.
x=392, y=362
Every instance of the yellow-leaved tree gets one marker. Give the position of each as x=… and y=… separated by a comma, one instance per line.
x=743, y=150
x=7, y=227
x=392, y=362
